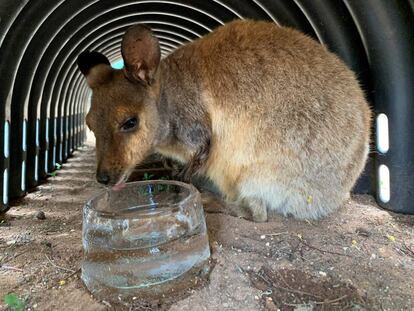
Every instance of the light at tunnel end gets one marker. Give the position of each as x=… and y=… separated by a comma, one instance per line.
x=118, y=64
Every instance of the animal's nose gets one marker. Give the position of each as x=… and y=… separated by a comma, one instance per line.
x=102, y=177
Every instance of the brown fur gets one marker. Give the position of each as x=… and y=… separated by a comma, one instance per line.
x=274, y=119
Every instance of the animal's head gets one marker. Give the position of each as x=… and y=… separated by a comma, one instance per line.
x=123, y=114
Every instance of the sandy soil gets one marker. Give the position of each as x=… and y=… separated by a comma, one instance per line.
x=361, y=258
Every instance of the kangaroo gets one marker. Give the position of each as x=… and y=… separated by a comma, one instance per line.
x=276, y=121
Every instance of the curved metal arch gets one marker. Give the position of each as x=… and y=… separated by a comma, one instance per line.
x=13, y=46
x=272, y=17
x=24, y=75
x=158, y=30
x=386, y=29
x=11, y=10
x=118, y=36
x=183, y=5
x=288, y=14
x=335, y=28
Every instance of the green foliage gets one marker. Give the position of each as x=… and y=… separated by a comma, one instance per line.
x=153, y=189
x=13, y=302
x=53, y=174
x=147, y=176
x=57, y=167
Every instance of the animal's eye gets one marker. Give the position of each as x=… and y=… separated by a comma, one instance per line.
x=129, y=125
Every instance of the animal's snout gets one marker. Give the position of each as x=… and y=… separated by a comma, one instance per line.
x=103, y=177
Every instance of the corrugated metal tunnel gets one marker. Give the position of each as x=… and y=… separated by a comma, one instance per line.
x=44, y=98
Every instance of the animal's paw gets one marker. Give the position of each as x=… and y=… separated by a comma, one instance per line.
x=250, y=209
x=257, y=209
x=260, y=217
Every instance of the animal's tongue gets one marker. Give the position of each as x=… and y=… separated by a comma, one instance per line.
x=119, y=186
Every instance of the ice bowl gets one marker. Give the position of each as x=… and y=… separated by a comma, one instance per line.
x=145, y=236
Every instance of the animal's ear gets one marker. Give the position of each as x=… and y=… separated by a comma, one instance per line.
x=141, y=53
x=95, y=67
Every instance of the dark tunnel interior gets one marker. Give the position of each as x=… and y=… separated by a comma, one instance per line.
x=44, y=97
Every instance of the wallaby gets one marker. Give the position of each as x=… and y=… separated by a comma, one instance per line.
x=276, y=121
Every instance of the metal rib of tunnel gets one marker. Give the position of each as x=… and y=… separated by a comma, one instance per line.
x=44, y=98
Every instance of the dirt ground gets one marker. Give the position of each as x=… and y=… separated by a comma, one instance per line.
x=360, y=258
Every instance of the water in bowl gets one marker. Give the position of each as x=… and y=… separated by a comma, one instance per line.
x=145, y=235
